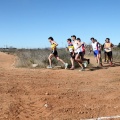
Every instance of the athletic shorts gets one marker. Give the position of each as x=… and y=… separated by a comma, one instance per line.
x=81, y=55
x=105, y=52
x=72, y=56
x=96, y=52
x=55, y=53
x=83, y=52
x=109, y=54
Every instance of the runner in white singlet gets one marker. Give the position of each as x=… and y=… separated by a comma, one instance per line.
x=77, y=46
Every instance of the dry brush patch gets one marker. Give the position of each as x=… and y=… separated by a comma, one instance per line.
x=27, y=57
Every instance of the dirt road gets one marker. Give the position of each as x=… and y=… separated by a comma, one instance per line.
x=42, y=94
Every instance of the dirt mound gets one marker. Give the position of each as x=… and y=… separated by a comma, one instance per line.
x=42, y=94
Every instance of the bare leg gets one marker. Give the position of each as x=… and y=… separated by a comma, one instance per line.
x=60, y=60
x=72, y=61
x=110, y=57
x=66, y=64
x=84, y=59
x=98, y=59
x=49, y=58
x=105, y=56
x=77, y=58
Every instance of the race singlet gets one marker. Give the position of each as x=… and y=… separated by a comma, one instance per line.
x=70, y=47
x=95, y=46
x=82, y=48
x=53, y=46
x=108, y=47
x=75, y=47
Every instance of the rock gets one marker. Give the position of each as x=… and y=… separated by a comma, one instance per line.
x=34, y=65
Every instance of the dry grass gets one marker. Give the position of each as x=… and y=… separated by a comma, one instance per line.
x=27, y=57
x=116, y=54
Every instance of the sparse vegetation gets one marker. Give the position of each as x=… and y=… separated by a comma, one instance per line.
x=116, y=54
x=118, y=45
x=27, y=57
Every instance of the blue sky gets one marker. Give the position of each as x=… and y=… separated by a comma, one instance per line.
x=29, y=23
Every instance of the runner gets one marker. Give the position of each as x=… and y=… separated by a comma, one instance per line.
x=82, y=53
x=105, y=53
x=99, y=49
x=54, y=53
x=77, y=50
x=108, y=48
x=71, y=50
x=112, y=45
x=95, y=51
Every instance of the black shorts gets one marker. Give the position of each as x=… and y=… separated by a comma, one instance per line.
x=55, y=53
x=72, y=56
x=105, y=52
x=109, y=54
x=81, y=55
x=83, y=52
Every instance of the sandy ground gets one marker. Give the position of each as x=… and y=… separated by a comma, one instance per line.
x=42, y=94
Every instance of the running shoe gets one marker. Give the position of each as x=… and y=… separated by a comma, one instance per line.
x=66, y=65
x=49, y=67
x=72, y=68
x=82, y=69
x=85, y=64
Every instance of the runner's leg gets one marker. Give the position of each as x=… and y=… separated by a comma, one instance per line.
x=72, y=62
x=77, y=58
x=49, y=58
x=66, y=64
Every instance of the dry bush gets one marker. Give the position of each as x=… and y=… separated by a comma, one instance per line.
x=27, y=57
x=116, y=54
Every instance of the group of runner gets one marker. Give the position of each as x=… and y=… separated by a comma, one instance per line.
x=107, y=47
x=76, y=49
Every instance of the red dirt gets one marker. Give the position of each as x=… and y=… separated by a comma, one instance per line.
x=42, y=94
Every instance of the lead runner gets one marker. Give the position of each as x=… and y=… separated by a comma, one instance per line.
x=54, y=53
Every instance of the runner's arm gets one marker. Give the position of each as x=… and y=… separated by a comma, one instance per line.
x=79, y=45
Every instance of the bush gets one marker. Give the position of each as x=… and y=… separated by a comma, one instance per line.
x=116, y=55
x=118, y=45
x=27, y=57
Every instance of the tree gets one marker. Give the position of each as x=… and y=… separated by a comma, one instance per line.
x=119, y=45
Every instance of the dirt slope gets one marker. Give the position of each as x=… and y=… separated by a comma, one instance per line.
x=42, y=94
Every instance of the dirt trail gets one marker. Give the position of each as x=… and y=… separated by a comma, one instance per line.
x=6, y=60
x=42, y=94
